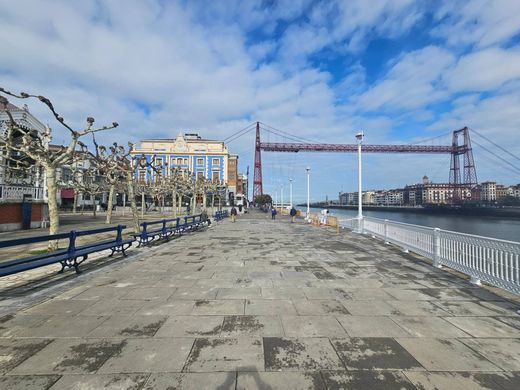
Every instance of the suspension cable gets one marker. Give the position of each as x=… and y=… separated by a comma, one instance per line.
x=494, y=143
x=497, y=156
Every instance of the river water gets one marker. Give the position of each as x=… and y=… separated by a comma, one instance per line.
x=496, y=227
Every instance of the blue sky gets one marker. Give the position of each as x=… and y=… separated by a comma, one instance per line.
x=401, y=71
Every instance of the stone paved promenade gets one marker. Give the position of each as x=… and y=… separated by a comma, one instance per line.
x=262, y=304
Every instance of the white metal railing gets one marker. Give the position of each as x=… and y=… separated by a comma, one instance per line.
x=491, y=260
x=16, y=193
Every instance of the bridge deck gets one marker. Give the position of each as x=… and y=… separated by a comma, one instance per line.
x=262, y=304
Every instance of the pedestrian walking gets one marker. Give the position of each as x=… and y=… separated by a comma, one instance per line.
x=233, y=214
x=293, y=213
x=273, y=213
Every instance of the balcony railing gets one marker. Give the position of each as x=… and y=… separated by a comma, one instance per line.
x=494, y=261
x=9, y=193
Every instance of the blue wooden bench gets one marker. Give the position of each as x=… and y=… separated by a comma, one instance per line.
x=151, y=233
x=169, y=227
x=220, y=215
x=70, y=257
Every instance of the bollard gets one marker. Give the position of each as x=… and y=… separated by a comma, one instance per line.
x=386, y=232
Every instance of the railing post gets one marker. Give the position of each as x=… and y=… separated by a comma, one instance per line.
x=475, y=280
x=437, y=248
x=72, y=241
x=386, y=231
x=119, y=237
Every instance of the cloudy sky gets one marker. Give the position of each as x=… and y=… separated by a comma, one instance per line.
x=402, y=71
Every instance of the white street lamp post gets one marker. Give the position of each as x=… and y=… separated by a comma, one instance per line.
x=282, y=196
x=359, y=137
x=290, y=193
x=308, y=169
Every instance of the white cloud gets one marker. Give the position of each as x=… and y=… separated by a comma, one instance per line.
x=484, y=70
x=410, y=83
x=478, y=22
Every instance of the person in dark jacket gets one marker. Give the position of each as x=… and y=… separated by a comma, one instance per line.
x=233, y=214
x=293, y=213
x=273, y=213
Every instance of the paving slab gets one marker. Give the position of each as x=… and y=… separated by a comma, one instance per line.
x=319, y=307
x=280, y=380
x=364, y=380
x=149, y=355
x=218, y=307
x=58, y=326
x=484, y=327
x=312, y=326
x=227, y=354
x=28, y=382
x=269, y=307
x=191, y=326
x=191, y=381
x=374, y=353
x=371, y=326
x=446, y=355
x=264, y=326
x=463, y=381
x=504, y=353
x=127, y=326
x=15, y=351
x=300, y=354
x=72, y=356
x=106, y=382
x=429, y=327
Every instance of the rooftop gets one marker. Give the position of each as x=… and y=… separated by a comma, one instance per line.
x=261, y=304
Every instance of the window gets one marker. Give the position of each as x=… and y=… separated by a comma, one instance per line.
x=179, y=161
x=158, y=161
x=142, y=176
x=215, y=162
x=200, y=162
x=200, y=174
x=215, y=175
x=185, y=161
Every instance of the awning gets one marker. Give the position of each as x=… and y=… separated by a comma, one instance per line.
x=67, y=193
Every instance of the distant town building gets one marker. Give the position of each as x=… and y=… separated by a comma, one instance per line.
x=488, y=191
x=431, y=193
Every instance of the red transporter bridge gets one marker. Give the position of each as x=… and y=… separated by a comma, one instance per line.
x=461, y=146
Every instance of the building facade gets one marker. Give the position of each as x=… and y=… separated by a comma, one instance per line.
x=488, y=191
x=17, y=185
x=193, y=154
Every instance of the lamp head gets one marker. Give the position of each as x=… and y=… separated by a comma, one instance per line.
x=359, y=136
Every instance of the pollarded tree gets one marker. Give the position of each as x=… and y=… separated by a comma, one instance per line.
x=36, y=146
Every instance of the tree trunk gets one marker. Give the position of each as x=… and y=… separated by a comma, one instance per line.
x=204, y=200
x=133, y=204
x=213, y=204
x=54, y=217
x=174, y=203
x=94, y=211
x=110, y=201
x=75, y=204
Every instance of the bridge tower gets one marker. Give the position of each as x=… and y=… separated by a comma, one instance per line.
x=470, y=174
x=257, y=181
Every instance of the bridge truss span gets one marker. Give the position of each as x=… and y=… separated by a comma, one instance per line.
x=345, y=148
